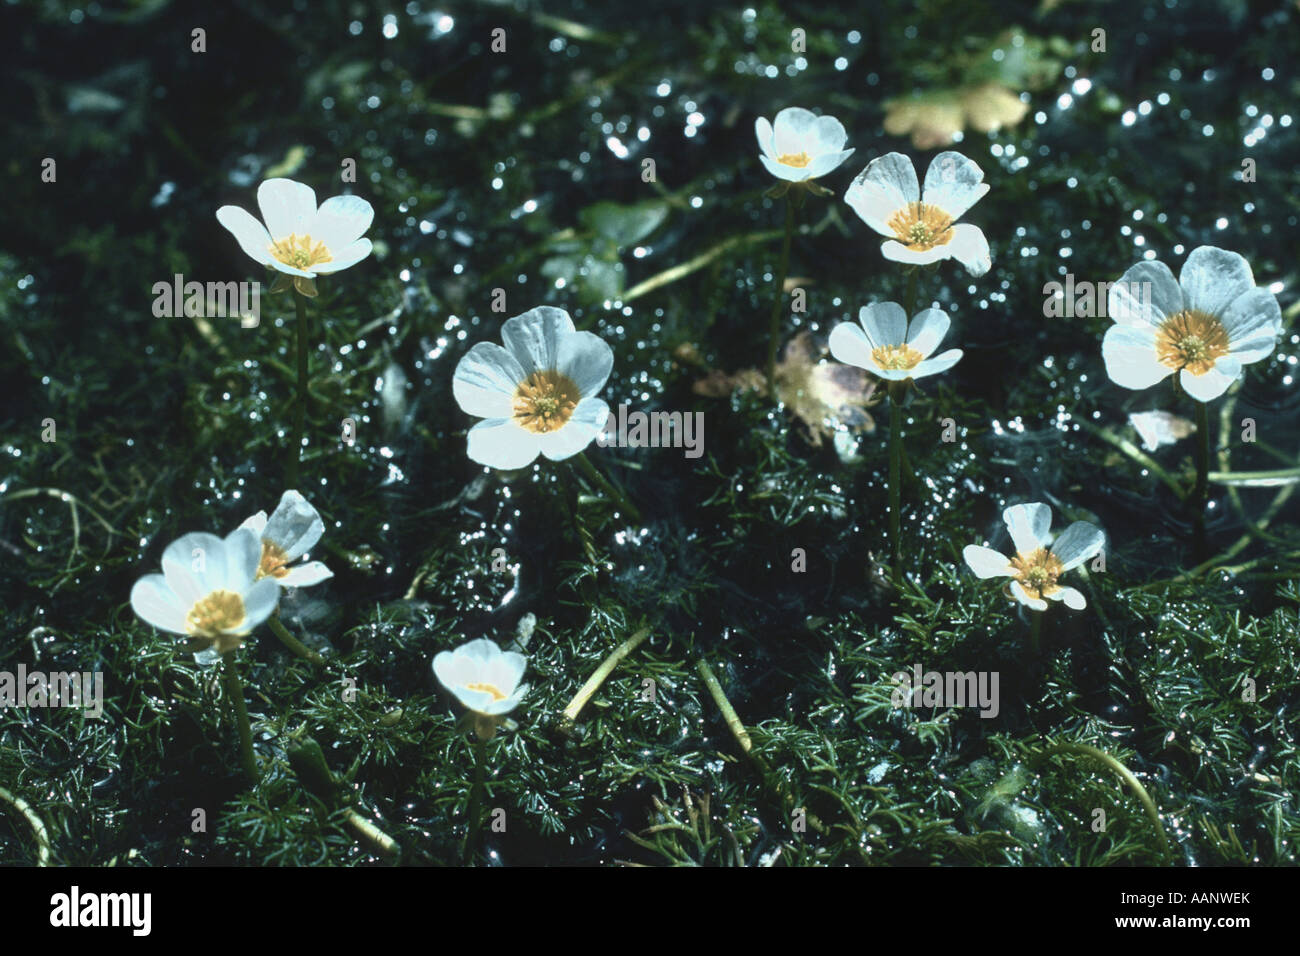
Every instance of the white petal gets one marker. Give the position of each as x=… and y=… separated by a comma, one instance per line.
x=500, y=443
x=486, y=379
x=1030, y=526
x=987, y=563
x=288, y=207
x=953, y=183
x=532, y=337
x=248, y=232
x=826, y=162
x=938, y=364
x=849, y=344
x=506, y=671
x=341, y=221
x=306, y=575
x=895, y=251
x=1077, y=543
x=763, y=130
x=884, y=322
x=195, y=565
x=577, y=433
x=345, y=259
x=969, y=247
x=884, y=187
x=497, y=707
x=1252, y=316
x=155, y=603
x=1021, y=595
x=242, y=550
x=1212, y=278
x=795, y=131
x=259, y=604
x=1130, y=355
x=256, y=524
x=1144, y=295
x=586, y=359
x=1252, y=349
x=452, y=669
x=279, y=266
x=1207, y=387
x=927, y=329
x=1073, y=599
x=791, y=174
x=295, y=525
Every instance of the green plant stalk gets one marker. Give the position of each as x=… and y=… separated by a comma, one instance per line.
x=774, y=330
x=1036, y=630
x=291, y=642
x=895, y=483
x=592, y=474
x=234, y=688
x=300, y=406
x=476, y=798
x=24, y=809
x=1199, y=490
x=600, y=675
x=1127, y=776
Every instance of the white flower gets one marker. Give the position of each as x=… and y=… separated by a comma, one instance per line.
x=292, y=530
x=485, y=679
x=1205, y=326
x=1157, y=429
x=209, y=589
x=886, y=346
x=537, y=394
x=1039, y=562
x=888, y=198
x=801, y=145
x=299, y=239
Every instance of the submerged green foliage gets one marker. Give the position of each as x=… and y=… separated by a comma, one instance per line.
x=492, y=170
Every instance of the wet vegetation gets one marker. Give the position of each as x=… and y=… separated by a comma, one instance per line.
x=522, y=170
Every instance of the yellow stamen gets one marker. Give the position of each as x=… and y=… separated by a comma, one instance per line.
x=217, y=612
x=300, y=252
x=921, y=227
x=896, y=357
x=1192, y=340
x=544, y=401
x=487, y=689
x=273, y=561
x=1037, y=572
x=797, y=160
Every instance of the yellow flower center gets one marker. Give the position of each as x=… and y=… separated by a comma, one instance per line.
x=797, y=160
x=1192, y=340
x=544, y=401
x=487, y=689
x=896, y=358
x=219, y=611
x=300, y=252
x=1037, y=572
x=921, y=227
x=273, y=561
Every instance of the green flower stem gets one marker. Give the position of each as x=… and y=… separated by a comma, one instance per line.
x=1199, y=490
x=291, y=642
x=1256, y=479
x=728, y=712
x=476, y=798
x=1036, y=630
x=300, y=406
x=595, y=477
x=1127, y=776
x=24, y=809
x=234, y=688
x=909, y=299
x=895, y=482
x=601, y=674
x=774, y=332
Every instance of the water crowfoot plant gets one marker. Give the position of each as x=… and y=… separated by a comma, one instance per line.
x=886, y=345
x=301, y=241
x=1039, y=561
x=798, y=147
